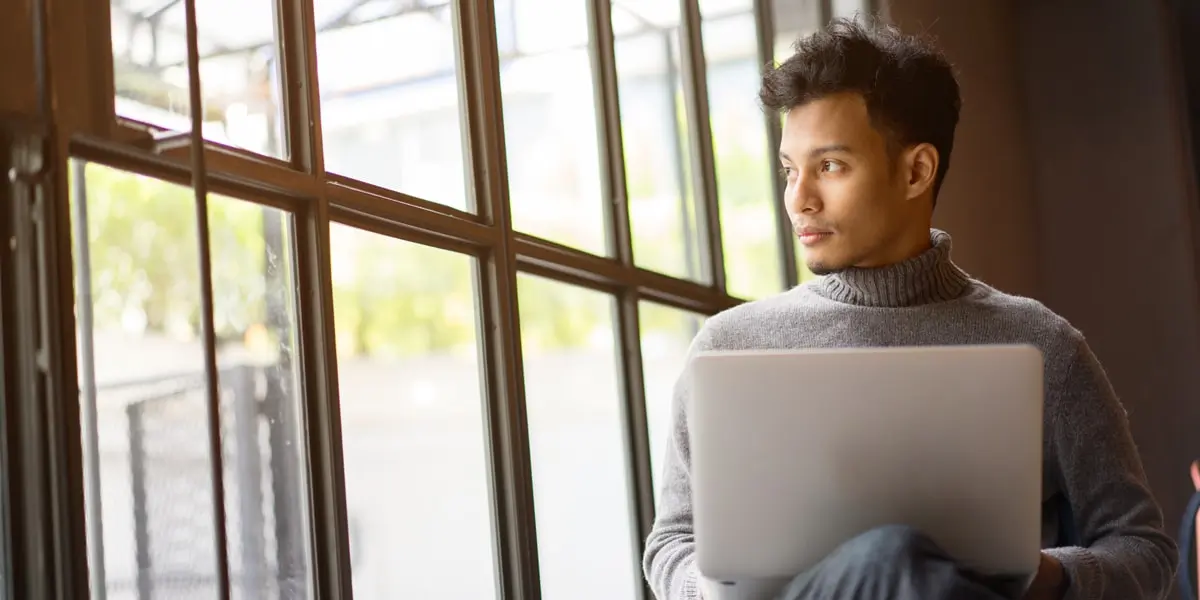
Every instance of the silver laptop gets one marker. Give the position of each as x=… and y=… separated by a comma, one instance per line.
x=796, y=452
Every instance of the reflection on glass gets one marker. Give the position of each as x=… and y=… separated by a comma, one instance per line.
x=550, y=125
x=744, y=168
x=662, y=205
x=392, y=122
x=239, y=69
x=585, y=540
x=261, y=436
x=666, y=334
x=144, y=393
x=412, y=423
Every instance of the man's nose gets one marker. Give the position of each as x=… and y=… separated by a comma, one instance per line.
x=802, y=199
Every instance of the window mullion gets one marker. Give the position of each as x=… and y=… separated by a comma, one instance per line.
x=296, y=25
x=695, y=90
x=330, y=534
x=326, y=476
x=212, y=387
x=33, y=555
x=612, y=159
x=765, y=23
x=75, y=72
x=637, y=433
x=507, y=427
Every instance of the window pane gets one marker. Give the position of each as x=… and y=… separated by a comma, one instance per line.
x=793, y=19
x=412, y=422
x=144, y=393
x=254, y=306
x=662, y=204
x=586, y=544
x=550, y=122
x=667, y=334
x=239, y=69
x=850, y=8
x=393, y=122
x=744, y=168
x=713, y=8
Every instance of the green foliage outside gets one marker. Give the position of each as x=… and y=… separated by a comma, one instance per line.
x=391, y=297
x=145, y=263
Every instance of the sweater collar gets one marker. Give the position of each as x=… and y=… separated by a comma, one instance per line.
x=923, y=279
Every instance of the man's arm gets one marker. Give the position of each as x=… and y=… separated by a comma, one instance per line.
x=669, y=559
x=1124, y=553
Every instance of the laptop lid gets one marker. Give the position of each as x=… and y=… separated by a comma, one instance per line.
x=795, y=452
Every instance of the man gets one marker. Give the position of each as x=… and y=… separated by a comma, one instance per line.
x=870, y=124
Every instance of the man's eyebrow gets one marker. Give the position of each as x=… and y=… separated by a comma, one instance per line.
x=819, y=151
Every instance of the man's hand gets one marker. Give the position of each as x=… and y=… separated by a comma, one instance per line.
x=1050, y=583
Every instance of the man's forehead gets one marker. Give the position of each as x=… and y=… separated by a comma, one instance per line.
x=830, y=112
x=833, y=121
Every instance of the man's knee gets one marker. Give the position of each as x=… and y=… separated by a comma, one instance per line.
x=886, y=547
x=870, y=565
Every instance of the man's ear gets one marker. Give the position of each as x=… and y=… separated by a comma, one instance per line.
x=920, y=169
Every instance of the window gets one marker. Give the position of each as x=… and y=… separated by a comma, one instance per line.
x=145, y=394
x=397, y=123
x=750, y=213
x=663, y=209
x=550, y=122
x=666, y=334
x=394, y=308
x=576, y=448
x=239, y=68
x=412, y=419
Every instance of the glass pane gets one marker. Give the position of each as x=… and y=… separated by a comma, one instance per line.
x=550, y=122
x=662, y=203
x=850, y=8
x=586, y=543
x=744, y=166
x=394, y=123
x=144, y=393
x=239, y=69
x=793, y=19
x=716, y=8
x=254, y=309
x=667, y=334
x=413, y=436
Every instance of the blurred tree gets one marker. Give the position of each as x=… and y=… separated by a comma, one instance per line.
x=391, y=297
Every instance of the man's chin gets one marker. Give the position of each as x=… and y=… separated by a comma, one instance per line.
x=821, y=270
x=822, y=267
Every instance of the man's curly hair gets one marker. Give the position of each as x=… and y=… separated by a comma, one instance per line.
x=909, y=86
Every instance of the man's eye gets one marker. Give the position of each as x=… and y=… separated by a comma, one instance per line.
x=785, y=171
x=829, y=166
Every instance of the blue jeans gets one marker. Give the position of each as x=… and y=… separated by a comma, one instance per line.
x=896, y=563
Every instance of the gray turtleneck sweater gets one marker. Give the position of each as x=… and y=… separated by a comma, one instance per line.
x=1099, y=517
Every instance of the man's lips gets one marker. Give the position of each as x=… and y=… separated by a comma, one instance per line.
x=812, y=235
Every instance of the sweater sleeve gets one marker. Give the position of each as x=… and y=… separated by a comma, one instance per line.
x=669, y=558
x=1124, y=553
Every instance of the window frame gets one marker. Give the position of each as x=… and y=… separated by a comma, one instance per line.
x=60, y=107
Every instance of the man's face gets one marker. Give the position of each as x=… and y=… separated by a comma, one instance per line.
x=846, y=196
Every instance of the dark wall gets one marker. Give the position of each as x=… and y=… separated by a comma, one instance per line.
x=1185, y=16
x=1072, y=182
x=1116, y=211
x=986, y=202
